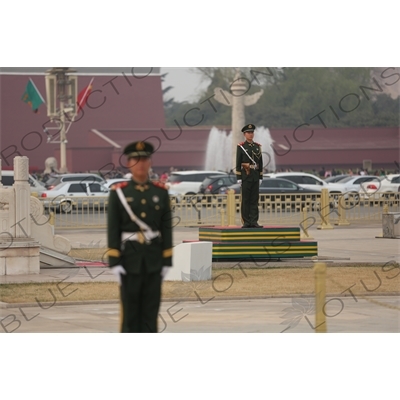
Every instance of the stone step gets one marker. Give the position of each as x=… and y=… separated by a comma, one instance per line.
x=54, y=258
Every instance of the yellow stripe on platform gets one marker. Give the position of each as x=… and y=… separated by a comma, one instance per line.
x=278, y=255
x=252, y=237
x=249, y=236
x=269, y=252
x=248, y=233
x=263, y=247
x=251, y=249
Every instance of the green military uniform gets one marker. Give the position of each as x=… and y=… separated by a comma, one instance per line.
x=250, y=173
x=142, y=259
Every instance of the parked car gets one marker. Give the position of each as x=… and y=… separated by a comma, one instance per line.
x=214, y=183
x=350, y=185
x=68, y=196
x=273, y=185
x=110, y=182
x=174, y=196
x=185, y=183
x=308, y=181
x=280, y=189
x=384, y=186
x=55, y=180
x=336, y=178
x=7, y=179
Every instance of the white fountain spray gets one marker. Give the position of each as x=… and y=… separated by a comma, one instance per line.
x=219, y=150
x=263, y=136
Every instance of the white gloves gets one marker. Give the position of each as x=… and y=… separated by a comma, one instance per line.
x=118, y=270
x=164, y=272
x=260, y=181
x=239, y=181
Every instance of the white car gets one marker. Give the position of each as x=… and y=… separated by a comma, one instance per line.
x=383, y=186
x=175, y=195
x=7, y=179
x=110, y=182
x=186, y=183
x=72, y=195
x=303, y=179
x=55, y=180
x=351, y=184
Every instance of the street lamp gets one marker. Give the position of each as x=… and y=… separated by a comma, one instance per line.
x=61, y=92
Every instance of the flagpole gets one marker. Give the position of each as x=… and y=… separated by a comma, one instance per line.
x=63, y=139
x=78, y=105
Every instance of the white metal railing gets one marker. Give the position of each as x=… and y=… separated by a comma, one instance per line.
x=222, y=210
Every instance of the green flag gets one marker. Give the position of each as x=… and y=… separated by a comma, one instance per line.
x=32, y=96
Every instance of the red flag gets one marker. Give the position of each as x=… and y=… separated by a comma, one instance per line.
x=83, y=96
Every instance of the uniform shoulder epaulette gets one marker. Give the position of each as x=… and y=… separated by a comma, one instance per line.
x=258, y=144
x=160, y=185
x=119, y=185
x=241, y=144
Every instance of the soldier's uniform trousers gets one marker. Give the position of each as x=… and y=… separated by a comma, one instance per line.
x=249, y=203
x=140, y=300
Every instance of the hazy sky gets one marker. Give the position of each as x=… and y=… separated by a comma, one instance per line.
x=185, y=84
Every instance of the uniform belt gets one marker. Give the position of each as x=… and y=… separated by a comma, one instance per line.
x=139, y=236
x=253, y=166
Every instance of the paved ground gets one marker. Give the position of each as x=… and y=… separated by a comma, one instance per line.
x=273, y=315
x=352, y=244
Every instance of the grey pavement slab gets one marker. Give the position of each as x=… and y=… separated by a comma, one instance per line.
x=354, y=243
x=378, y=314
x=349, y=244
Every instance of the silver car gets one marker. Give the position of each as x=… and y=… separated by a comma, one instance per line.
x=68, y=196
x=7, y=179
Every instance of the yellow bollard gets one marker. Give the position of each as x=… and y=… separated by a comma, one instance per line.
x=320, y=296
x=222, y=211
x=384, y=212
x=342, y=212
x=304, y=225
x=324, y=212
x=230, y=207
x=51, y=219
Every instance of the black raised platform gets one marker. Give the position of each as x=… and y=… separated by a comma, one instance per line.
x=269, y=242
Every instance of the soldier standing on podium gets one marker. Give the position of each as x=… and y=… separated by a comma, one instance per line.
x=249, y=173
x=139, y=237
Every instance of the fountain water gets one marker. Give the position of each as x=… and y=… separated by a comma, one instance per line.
x=263, y=136
x=219, y=150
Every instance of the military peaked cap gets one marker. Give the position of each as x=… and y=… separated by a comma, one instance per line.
x=248, y=128
x=139, y=149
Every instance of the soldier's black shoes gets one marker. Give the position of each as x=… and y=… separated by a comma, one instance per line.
x=246, y=226
x=256, y=226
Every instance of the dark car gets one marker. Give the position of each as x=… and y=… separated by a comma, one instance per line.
x=213, y=184
x=336, y=178
x=279, y=191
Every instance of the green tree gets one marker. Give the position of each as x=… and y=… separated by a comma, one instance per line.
x=330, y=97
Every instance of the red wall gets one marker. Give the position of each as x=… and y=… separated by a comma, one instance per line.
x=337, y=147
x=21, y=130
x=136, y=113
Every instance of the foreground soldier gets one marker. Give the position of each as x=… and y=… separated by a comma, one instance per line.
x=249, y=172
x=139, y=241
